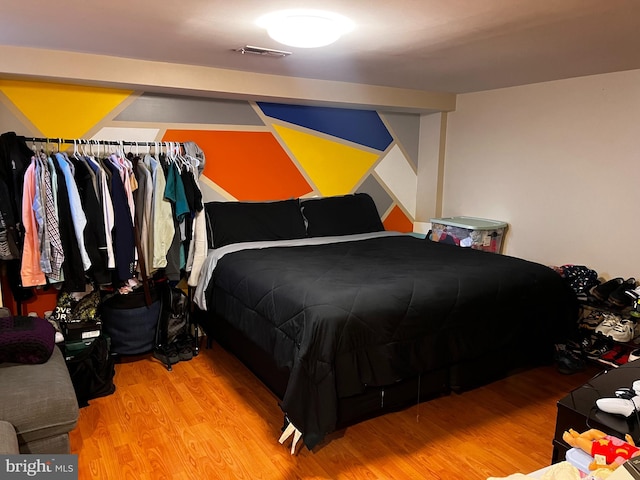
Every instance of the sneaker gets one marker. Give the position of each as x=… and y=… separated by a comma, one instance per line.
x=591, y=320
x=619, y=296
x=622, y=359
x=615, y=357
x=634, y=294
x=602, y=291
x=624, y=331
x=634, y=354
x=598, y=349
x=580, y=345
x=167, y=354
x=635, y=302
x=184, y=345
x=567, y=362
x=609, y=322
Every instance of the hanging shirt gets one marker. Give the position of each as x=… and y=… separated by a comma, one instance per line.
x=143, y=200
x=102, y=183
x=163, y=229
x=52, y=225
x=74, y=278
x=174, y=191
x=151, y=164
x=123, y=237
x=125, y=172
x=77, y=214
x=94, y=234
x=30, y=271
x=198, y=246
x=39, y=201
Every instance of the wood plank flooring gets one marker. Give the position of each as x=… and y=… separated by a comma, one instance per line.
x=210, y=418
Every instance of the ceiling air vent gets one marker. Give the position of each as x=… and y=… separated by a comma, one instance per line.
x=265, y=52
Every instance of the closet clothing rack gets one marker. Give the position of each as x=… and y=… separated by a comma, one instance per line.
x=23, y=148
x=81, y=141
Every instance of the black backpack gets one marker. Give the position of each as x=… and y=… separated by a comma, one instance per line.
x=174, y=317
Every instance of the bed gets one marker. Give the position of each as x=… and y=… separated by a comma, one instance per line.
x=344, y=320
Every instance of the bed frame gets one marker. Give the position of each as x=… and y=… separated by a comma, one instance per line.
x=375, y=401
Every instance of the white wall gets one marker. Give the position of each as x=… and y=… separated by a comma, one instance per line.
x=560, y=162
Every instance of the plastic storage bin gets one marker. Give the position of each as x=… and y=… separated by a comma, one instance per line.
x=477, y=233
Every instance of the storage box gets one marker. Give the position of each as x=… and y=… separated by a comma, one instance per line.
x=84, y=330
x=477, y=233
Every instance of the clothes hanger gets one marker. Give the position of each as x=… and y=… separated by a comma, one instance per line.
x=83, y=147
x=176, y=156
x=126, y=161
x=169, y=148
x=193, y=161
x=184, y=158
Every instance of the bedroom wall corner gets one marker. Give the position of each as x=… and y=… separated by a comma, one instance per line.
x=433, y=131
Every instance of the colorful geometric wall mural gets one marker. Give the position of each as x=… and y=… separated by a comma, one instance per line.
x=362, y=127
x=254, y=150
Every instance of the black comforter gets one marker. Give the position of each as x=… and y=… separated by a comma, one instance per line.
x=371, y=312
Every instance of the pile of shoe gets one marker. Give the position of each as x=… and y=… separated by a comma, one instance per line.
x=595, y=348
x=183, y=348
x=603, y=350
x=617, y=292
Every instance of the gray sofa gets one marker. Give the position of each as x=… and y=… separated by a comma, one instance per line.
x=38, y=407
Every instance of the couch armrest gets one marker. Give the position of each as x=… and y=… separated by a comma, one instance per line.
x=8, y=439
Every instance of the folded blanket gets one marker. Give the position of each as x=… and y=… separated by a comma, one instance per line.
x=26, y=340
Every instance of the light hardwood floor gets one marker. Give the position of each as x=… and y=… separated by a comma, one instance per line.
x=210, y=418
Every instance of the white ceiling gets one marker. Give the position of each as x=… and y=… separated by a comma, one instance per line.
x=434, y=45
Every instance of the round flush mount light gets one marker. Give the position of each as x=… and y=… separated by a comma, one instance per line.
x=305, y=28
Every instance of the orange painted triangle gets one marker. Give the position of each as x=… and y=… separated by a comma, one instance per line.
x=397, y=221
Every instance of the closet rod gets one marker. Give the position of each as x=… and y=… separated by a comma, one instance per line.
x=79, y=142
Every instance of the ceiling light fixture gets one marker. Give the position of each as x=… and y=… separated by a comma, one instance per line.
x=305, y=28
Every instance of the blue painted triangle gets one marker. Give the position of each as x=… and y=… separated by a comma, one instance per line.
x=363, y=127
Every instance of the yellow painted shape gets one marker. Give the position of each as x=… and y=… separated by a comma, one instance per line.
x=334, y=168
x=59, y=110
